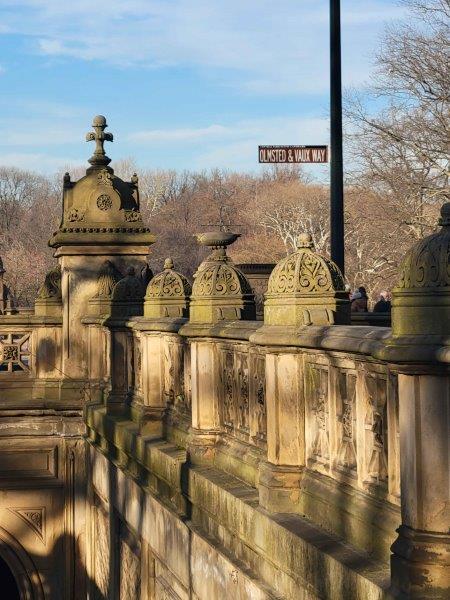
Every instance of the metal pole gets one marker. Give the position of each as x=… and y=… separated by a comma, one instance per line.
x=337, y=173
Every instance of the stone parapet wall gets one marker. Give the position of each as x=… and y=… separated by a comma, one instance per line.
x=306, y=427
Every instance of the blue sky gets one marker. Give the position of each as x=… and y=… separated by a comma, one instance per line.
x=183, y=83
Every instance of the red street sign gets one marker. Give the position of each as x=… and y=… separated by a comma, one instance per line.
x=293, y=154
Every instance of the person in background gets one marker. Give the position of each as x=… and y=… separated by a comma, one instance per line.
x=359, y=300
x=384, y=303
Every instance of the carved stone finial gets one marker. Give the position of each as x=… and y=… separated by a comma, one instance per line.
x=100, y=137
x=220, y=290
x=168, y=294
x=421, y=300
x=306, y=288
x=134, y=179
x=66, y=179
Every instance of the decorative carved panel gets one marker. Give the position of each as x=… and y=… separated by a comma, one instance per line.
x=375, y=425
x=130, y=572
x=258, y=415
x=346, y=415
x=184, y=399
x=102, y=549
x=15, y=352
x=34, y=518
x=318, y=411
x=242, y=396
x=228, y=406
x=137, y=364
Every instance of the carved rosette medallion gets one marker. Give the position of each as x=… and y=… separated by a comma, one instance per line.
x=104, y=202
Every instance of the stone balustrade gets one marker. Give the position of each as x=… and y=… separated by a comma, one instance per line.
x=299, y=456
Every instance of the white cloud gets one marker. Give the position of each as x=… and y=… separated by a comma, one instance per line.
x=232, y=146
x=183, y=134
x=263, y=48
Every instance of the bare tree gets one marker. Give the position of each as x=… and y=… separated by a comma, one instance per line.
x=402, y=151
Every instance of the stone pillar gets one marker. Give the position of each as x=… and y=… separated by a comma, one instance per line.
x=205, y=399
x=304, y=289
x=280, y=476
x=220, y=293
x=419, y=350
x=166, y=308
x=101, y=224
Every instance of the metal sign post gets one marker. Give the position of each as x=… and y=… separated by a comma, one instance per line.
x=336, y=171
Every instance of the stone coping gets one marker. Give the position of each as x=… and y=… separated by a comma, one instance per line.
x=347, y=338
x=29, y=319
x=233, y=330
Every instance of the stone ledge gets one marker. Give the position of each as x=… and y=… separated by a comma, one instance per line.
x=347, y=338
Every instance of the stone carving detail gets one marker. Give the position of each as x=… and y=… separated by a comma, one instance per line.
x=220, y=280
x=133, y=216
x=104, y=178
x=15, y=352
x=137, y=364
x=317, y=385
x=186, y=384
x=10, y=352
x=101, y=552
x=305, y=271
x=169, y=283
x=104, y=202
x=243, y=396
x=51, y=288
x=258, y=405
x=346, y=456
x=34, y=518
x=108, y=276
x=75, y=214
x=130, y=573
x=228, y=392
x=375, y=427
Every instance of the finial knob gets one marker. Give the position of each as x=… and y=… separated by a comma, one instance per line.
x=168, y=263
x=304, y=240
x=99, y=137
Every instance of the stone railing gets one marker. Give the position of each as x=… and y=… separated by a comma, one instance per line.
x=30, y=348
x=308, y=412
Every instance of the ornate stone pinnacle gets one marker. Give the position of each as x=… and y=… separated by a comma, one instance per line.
x=100, y=137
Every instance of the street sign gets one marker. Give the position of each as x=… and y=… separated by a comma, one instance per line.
x=293, y=154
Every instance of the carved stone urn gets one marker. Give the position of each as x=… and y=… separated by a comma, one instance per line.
x=220, y=290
